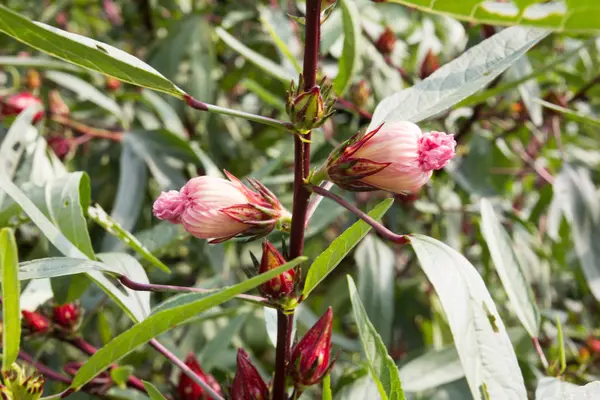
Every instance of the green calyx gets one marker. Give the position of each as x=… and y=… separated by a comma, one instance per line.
x=309, y=109
x=20, y=384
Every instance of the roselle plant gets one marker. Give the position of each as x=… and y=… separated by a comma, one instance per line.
x=312, y=199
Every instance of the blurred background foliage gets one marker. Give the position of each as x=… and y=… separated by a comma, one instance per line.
x=131, y=144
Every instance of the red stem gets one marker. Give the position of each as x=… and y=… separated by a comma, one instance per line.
x=43, y=369
x=301, y=194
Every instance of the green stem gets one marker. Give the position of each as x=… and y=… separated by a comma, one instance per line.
x=199, y=105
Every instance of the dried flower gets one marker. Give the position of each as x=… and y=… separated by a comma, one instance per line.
x=217, y=209
x=21, y=384
x=248, y=384
x=35, y=322
x=16, y=103
x=386, y=41
x=396, y=157
x=310, y=357
x=67, y=316
x=187, y=389
x=282, y=285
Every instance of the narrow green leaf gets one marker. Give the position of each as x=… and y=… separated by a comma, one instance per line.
x=103, y=219
x=572, y=16
x=166, y=113
x=481, y=340
x=458, y=79
x=11, y=290
x=37, y=62
x=85, y=52
x=53, y=267
x=348, y=63
x=570, y=114
x=277, y=25
x=509, y=269
x=432, y=369
x=382, y=367
x=267, y=65
x=153, y=391
x=164, y=320
x=562, y=358
x=340, y=248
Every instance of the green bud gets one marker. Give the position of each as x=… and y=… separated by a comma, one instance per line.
x=309, y=110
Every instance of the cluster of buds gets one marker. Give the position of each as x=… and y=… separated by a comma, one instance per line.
x=396, y=157
x=67, y=317
x=248, y=384
x=19, y=384
x=281, y=288
x=15, y=104
x=218, y=209
x=310, y=109
x=187, y=389
x=309, y=362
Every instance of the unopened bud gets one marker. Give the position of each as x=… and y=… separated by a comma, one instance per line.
x=308, y=110
x=35, y=322
x=248, y=384
x=360, y=93
x=430, y=64
x=310, y=357
x=282, y=285
x=33, y=79
x=112, y=84
x=187, y=389
x=386, y=41
x=67, y=316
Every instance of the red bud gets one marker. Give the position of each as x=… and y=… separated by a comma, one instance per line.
x=35, y=322
x=430, y=64
x=386, y=41
x=16, y=103
x=282, y=285
x=112, y=84
x=190, y=390
x=310, y=357
x=67, y=316
x=248, y=384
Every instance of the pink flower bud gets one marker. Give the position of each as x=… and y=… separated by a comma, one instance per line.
x=67, y=316
x=187, y=389
x=310, y=357
x=248, y=384
x=217, y=209
x=396, y=157
x=35, y=322
x=282, y=285
x=16, y=103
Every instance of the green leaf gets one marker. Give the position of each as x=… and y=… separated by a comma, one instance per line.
x=103, y=219
x=575, y=193
x=348, y=63
x=85, y=52
x=572, y=16
x=482, y=343
x=267, y=65
x=376, y=264
x=85, y=91
x=121, y=374
x=340, y=248
x=382, y=367
x=557, y=389
x=278, y=27
x=37, y=62
x=215, y=348
x=458, y=79
x=164, y=320
x=166, y=113
x=509, y=269
x=124, y=300
x=570, y=114
x=53, y=267
x=562, y=358
x=432, y=369
x=153, y=391
x=11, y=290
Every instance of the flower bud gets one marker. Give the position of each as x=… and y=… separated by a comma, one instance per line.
x=112, y=84
x=386, y=41
x=360, y=93
x=429, y=65
x=67, y=316
x=248, y=384
x=310, y=357
x=308, y=110
x=15, y=104
x=396, y=157
x=282, y=285
x=218, y=210
x=35, y=323
x=57, y=104
x=33, y=79
x=187, y=389
x=19, y=384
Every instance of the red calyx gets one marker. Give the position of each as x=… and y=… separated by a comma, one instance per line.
x=187, y=389
x=248, y=384
x=282, y=285
x=35, y=322
x=386, y=41
x=67, y=316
